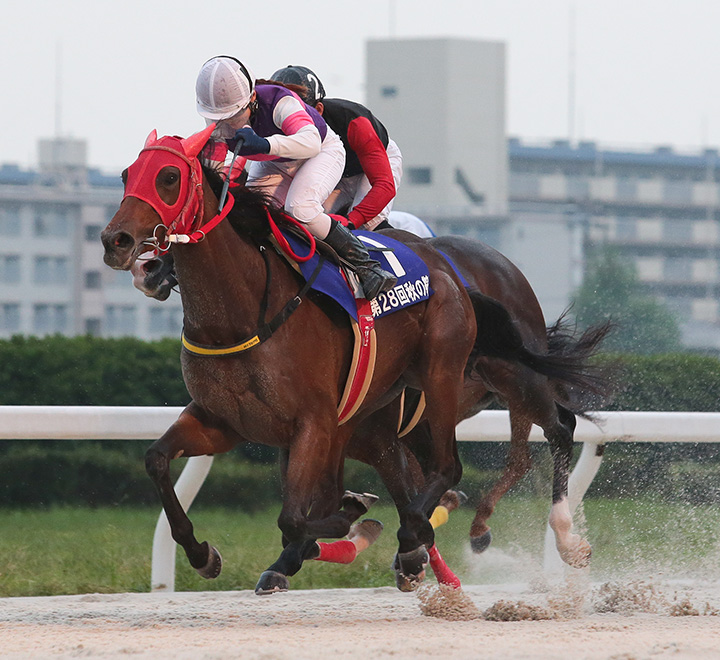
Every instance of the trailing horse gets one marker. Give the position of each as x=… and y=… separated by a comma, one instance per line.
x=284, y=391
x=547, y=380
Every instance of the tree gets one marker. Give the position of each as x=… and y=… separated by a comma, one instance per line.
x=611, y=290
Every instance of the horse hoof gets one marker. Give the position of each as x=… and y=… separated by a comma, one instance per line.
x=271, y=582
x=481, y=543
x=408, y=583
x=578, y=556
x=368, y=529
x=410, y=568
x=362, y=500
x=214, y=565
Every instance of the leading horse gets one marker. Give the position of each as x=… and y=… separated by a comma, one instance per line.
x=283, y=392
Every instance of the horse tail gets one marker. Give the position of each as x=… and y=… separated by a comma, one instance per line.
x=593, y=385
x=578, y=382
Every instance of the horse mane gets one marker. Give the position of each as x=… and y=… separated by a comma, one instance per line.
x=248, y=217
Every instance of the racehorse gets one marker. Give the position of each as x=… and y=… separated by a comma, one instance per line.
x=284, y=391
x=550, y=400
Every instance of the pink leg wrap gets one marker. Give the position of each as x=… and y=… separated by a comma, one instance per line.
x=442, y=572
x=338, y=552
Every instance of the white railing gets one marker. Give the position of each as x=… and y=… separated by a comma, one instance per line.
x=149, y=423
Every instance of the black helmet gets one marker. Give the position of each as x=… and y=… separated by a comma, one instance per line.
x=301, y=75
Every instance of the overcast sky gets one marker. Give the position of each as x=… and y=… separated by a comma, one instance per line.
x=647, y=72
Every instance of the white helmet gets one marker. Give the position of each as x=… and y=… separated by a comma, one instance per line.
x=223, y=88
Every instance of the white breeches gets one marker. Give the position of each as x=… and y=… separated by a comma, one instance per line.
x=301, y=186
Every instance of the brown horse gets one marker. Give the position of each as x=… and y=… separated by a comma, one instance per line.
x=568, y=385
x=283, y=392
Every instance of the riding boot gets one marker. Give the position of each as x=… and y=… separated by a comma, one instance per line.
x=350, y=248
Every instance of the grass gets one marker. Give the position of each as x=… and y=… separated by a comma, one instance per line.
x=69, y=551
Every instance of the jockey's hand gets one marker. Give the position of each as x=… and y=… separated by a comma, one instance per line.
x=345, y=222
x=252, y=142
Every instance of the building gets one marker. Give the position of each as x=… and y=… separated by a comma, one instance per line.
x=659, y=208
x=545, y=206
x=443, y=102
x=52, y=275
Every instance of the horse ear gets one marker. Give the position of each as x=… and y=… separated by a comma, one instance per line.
x=151, y=139
x=193, y=144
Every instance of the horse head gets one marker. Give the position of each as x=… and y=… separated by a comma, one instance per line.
x=163, y=194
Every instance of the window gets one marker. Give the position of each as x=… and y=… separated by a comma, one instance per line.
x=50, y=270
x=10, y=221
x=420, y=175
x=625, y=228
x=389, y=91
x=120, y=320
x=49, y=319
x=678, y=231
x=626, y=189
x=93, y=326
x=678, y=269
x=10, y=317
x=51, y=222
x=678, y=192
x=93, y=279
x=9, y=268
x=166, y=321
x=92, y=232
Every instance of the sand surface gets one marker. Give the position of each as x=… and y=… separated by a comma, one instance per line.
x=637, y=622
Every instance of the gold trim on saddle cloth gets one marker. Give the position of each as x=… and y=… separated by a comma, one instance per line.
x=419, y=410
x=361, y=345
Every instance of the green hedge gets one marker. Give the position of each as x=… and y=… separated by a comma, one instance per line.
x=677, y=382
x=94, y=371
x=89, y=474
x=91, y=371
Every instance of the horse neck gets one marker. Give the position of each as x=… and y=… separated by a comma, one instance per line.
x=222, y=280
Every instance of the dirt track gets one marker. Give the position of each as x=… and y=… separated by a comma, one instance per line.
x=349, y=623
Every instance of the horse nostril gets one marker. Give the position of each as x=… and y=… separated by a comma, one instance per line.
x=123, y=241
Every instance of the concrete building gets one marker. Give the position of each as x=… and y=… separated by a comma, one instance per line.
x=545, y=206
x=52, y=275
x=659, y=208
x=443, y=102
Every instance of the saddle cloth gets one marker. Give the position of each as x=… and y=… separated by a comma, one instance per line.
x=413, y=284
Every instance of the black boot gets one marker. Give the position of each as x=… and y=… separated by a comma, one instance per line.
x=349, y=247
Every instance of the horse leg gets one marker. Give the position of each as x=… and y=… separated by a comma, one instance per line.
x=313, y=467
x=518, y=463
x=188, y=436
x=573, y=549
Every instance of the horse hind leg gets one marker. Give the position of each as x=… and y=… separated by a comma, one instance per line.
x=573, y=549
x=518, y=463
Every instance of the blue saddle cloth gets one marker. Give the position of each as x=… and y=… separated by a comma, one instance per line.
x=413, y=285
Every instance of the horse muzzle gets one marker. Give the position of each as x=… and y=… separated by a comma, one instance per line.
x=120, y=249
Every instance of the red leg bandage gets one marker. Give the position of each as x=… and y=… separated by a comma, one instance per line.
x=442, y=572
x=338, y=552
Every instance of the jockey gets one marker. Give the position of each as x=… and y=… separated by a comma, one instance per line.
x=294, y=156
x=409, y=222
x=373, y=162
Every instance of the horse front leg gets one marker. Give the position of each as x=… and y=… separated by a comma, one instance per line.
x=191, y=435
x=313, y=465
x=517, y=465
x=573, y=549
